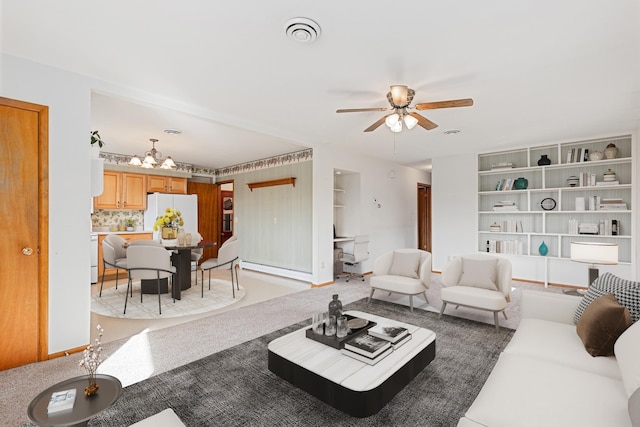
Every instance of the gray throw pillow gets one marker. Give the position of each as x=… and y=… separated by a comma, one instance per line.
x=405, y=264
x=627, y=294
x=479, y=273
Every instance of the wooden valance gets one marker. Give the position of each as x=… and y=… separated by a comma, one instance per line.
x=281, y=181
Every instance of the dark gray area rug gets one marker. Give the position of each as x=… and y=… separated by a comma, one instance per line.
x=235, y=387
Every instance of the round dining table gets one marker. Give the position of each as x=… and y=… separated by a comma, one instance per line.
x=181, y=260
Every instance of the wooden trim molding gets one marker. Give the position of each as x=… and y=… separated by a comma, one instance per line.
x=273, y=182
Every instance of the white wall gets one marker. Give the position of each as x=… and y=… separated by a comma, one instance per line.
x=392, y=225
x=68, y=98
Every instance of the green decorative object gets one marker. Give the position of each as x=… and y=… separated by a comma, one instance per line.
x=521, y=183
x=543, y=249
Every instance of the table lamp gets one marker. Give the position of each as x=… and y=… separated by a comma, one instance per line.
x=594, y=253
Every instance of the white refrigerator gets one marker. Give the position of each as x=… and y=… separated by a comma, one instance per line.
x=187, y=204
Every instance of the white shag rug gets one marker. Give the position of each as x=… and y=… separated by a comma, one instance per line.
x=111, y=303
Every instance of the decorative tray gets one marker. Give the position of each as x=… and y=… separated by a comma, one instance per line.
x=334, y=341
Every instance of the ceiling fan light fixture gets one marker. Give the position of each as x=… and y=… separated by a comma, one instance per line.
x=400, y=95
x=410, y=121
x=397, y=127
x=392, y=120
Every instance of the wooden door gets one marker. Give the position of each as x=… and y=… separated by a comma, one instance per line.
x=134, y=190
x=424, y=217
x=209, y=224
x=110, y=197
x=24, y=251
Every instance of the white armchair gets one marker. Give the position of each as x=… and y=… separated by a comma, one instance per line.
x=402, y=271
x=477, y=281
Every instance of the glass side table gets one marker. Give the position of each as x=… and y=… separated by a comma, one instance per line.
x=84, y=408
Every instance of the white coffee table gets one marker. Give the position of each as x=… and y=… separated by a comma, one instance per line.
x=345, y=383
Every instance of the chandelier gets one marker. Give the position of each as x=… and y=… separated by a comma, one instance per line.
x=152, y=158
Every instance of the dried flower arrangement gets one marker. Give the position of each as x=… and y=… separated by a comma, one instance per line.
x=91, y=359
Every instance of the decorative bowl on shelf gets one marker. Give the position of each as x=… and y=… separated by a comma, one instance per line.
x=573, y=181
x=596, y=155
x=609, y=176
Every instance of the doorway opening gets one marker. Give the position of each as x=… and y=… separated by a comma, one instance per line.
x=424, y=217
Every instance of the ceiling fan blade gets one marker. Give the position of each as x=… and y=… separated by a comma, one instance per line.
x=467, y=102
x=423, y=121
x=376, y=124
x=358, y=110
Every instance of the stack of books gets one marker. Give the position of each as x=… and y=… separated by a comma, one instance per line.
x=502, y=165
x=396, y=335
x=505, y=206
x=367, y=348
x=612, y=205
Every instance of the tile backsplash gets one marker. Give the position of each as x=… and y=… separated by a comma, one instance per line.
x=107, y=218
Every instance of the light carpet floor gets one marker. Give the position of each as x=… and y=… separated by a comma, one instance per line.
x=192, y=301
x=151, y=347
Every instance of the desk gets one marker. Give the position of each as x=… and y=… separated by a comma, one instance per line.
x=84, y=408
x=181, y=260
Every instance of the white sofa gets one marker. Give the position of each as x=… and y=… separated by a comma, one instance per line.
x=545, y=377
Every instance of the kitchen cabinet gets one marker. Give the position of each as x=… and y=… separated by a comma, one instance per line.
x=129, y=237
x=123, y=190
x=166, y=184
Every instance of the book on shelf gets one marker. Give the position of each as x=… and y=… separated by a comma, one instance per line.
x=61, y=401
x=505, y=206
x=502, y=165
x=577, y=155
x=605, y=183
x=367, y=345
x=612, y=207
x=609, y=227
x=389, y=333
x=366, y=359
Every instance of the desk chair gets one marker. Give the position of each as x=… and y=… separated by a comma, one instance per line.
x=360, y=253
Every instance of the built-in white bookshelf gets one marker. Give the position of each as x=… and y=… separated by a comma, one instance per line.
x=592, y=201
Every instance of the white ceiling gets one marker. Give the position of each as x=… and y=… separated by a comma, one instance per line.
x=227, y=76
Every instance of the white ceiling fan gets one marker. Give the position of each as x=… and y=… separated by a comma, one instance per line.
x=400, y=98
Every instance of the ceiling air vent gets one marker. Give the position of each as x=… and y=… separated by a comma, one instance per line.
x=302, y=30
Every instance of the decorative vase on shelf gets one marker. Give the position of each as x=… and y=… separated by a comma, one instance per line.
x=544, y=160
x=521, y=183
x=543, y=249
x=335, y=306
x=596, y=155
x=611, y=151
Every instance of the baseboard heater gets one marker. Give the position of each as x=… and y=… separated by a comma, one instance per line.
x=278, y=271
